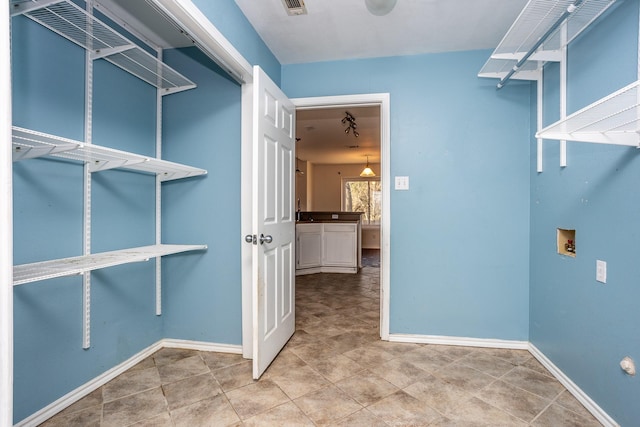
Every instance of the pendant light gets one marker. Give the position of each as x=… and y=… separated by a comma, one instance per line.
x=380, y=7
x=367, y=172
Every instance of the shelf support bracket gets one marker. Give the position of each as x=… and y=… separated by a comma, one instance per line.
x=572, y=8
x=104, y=52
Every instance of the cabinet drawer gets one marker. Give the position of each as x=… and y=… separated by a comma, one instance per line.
x=340, y=228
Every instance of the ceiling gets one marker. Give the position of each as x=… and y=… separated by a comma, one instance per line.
x=323, y=138
x=341, y=29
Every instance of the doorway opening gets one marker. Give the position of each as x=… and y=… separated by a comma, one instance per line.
x=329, y=173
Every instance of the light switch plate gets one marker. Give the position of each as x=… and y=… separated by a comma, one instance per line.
x=601, y=271
x=402, y=182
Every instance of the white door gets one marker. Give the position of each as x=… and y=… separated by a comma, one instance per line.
x=273, y=221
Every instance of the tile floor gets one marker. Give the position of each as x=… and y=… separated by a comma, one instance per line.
x=334, y=371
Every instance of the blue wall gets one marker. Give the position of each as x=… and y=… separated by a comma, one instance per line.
x=460, y=235
x=231, y=22
x=48, y=87
x=583, y=326
x=202, y=294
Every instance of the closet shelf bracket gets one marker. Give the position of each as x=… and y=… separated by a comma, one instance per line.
x=76, y=25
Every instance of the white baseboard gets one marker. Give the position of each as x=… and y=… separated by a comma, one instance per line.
x=576, y=391
x=97, y=382
x=460, y=341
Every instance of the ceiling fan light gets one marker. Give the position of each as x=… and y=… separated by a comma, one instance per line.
x=380, y=7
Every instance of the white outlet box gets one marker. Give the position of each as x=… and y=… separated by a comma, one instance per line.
x=601, y=271
x=402, y=182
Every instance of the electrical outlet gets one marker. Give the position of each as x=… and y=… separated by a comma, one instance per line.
x=601, y=271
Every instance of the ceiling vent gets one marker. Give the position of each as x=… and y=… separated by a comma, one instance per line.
x=295, y=7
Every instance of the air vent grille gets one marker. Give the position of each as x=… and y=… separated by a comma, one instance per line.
x=295, y=7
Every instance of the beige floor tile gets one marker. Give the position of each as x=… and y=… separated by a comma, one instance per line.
x=438, y=394
x=235, y=376
x=170, y=355
x=327, y=405
x=514, y=400
x=366, y=388
x=400, y=372
x=215, y=411
x=534, y=382
x=144, y=364
x=299, y=380
x=464, y=377
x=453, y=352
x=131, y=382
x=335, y=368
x=286, y=361
x=190, y=390
x=475, y=410
x=402, y=409
x=285, y=415
x=427, y=359
x=134, y=408
x=369, y=356
x=87, y=417
x=362, y=418
x=516, y=357
x=487, y=363
x=92, y=399
x=182, y=368
x=221, y=360
x=567, y=401
x=557, y=416
x=162, y=420
x=534, y=365
x=256, y=398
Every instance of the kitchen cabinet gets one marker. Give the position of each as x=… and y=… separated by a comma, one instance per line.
x=327, y=247
x=309, y=245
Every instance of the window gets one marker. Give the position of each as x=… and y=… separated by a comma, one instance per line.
x=363, y=195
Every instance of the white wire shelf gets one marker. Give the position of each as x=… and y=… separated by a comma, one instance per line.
x=27, y=273
x=614, y=119
x=29, y=144
x=538, y=17
x=73, y=23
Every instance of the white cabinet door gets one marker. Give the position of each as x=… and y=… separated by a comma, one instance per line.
x=309, y=245
x=340, y=245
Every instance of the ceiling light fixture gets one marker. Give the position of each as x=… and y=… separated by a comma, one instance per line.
x=351, y=126
x=367, y=171
x=380, y=7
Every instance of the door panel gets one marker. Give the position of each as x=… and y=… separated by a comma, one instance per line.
x=273, y=193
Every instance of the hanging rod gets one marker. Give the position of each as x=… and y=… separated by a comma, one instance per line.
x=570, y=9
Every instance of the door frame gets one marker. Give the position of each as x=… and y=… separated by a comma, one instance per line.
x=374, y=99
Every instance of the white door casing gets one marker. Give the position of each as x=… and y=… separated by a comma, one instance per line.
x=273, y=221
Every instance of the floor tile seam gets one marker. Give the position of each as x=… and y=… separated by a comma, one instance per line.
x=354, y=398
x=192, y=402
x=556, y=402
x=535, y=394
x=104, y=402
x=526, y=391
x=477, y=395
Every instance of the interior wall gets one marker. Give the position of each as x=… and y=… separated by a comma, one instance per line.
x=327, y=184
x=465, y=147
x=49, y=96
x=202, y=294
x=583, y=326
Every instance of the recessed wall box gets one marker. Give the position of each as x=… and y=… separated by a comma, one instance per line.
x=566, y=242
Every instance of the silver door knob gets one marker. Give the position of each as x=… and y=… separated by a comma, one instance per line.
x=250, y=238
x=265, y=239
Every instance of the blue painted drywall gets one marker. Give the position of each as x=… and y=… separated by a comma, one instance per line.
x=583, y=326
x=48, y=88
x=460, y=235
x=202, y=292
x=231, y=22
